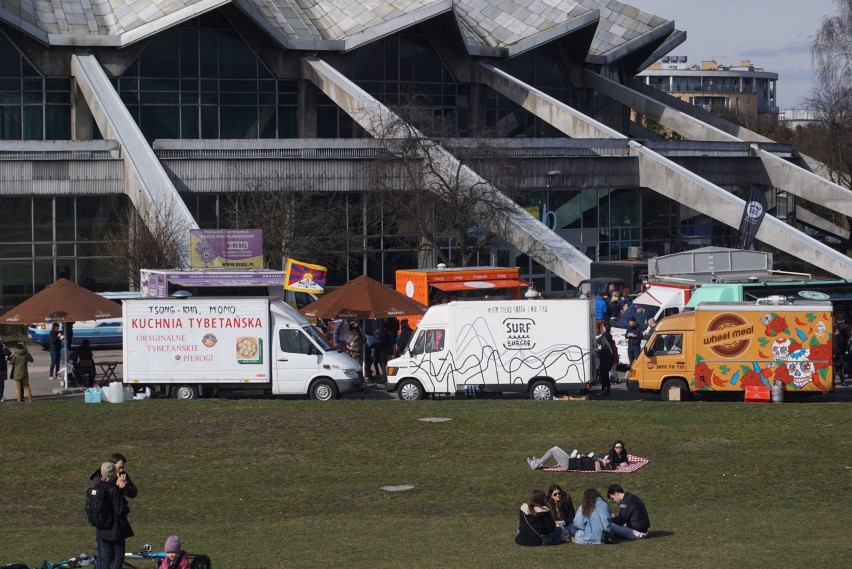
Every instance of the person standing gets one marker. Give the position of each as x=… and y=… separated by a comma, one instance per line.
x=122, y=482
x=5, y=354
x=404, y=337
x=606, y=357
x=601, y=309
x=632, y=521
x=21, y=372
x=54, y=341
x=356, y=344
x=649, y=331
x=634, y=340
x=113, y=537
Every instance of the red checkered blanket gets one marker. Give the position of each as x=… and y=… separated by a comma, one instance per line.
x=634, y=463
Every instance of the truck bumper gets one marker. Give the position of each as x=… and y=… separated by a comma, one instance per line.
x=347, y=385
x=632, y=385
x=390, y=386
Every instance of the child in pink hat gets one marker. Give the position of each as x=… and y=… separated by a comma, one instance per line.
x=176, y=557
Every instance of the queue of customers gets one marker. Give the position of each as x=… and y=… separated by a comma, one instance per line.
x=386, y=339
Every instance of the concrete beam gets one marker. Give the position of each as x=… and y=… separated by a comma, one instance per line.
x=810, y=218
x=145, y=180
x=567, y=119
x=666, y=177
x=671, y=118
x=518, y=227
x=805, y=184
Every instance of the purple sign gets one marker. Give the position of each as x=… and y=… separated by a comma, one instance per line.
x=226, y=248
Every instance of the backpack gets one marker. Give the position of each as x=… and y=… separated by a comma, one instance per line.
x=200, y=562
x=98, y=507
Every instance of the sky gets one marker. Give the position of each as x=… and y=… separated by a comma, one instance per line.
x=773, y=34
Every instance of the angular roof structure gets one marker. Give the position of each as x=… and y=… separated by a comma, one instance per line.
x=491, y=28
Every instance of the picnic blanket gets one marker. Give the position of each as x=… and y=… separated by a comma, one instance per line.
x=634, y=463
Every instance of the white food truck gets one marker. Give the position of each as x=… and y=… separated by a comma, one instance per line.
x=539, y=347
x=191, y=347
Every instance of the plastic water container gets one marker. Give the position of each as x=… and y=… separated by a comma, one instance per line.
x=128, y=393
x=93, y=395
x=116, y=392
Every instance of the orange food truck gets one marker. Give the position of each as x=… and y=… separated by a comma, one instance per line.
x=434, y=286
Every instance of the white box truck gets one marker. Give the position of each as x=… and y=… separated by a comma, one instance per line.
x=190, y=347
x=539, y=347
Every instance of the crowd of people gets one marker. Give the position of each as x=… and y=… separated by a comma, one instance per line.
x=372, y=350
x=550, y=519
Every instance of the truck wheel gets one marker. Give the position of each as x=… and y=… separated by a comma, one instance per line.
x=324, y=390
x=410, y=390
x=541, y=391
x=676, y=383
x=185, y=392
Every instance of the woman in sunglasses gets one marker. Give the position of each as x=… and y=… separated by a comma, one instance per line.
x=561, y=509
x=617, y=454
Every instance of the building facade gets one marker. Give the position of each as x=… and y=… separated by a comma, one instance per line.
x=179, y=105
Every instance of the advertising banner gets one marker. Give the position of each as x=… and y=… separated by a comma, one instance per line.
x=755, y=209
x=226, y=248
x=304, y=277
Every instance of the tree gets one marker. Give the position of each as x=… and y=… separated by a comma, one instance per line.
x=298, y=221
x=437, y=202
x=144, y=240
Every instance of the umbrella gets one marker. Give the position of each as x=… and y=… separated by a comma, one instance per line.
x=62, y=301
x=363, y=298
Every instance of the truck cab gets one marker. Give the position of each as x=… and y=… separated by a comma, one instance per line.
x=667, y=362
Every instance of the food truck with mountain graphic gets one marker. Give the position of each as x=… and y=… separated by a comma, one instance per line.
x=728, y=346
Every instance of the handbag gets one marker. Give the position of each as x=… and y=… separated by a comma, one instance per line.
x=607, y=537
x=546, y=539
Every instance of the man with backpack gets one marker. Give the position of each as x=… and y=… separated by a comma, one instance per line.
x=107, y=509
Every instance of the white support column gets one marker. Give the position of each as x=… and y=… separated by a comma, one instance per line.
x=145, y=180
x=522, y=230
x=683, y=186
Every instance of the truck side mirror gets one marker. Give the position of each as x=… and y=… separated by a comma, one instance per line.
x=649, y=352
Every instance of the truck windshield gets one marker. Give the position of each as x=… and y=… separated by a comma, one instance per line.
x=641, y=312
x=317, y=337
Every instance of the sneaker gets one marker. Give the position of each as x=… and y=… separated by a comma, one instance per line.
x=591, y=455
x=533, y=462
x=640, y=534
x=574, y=453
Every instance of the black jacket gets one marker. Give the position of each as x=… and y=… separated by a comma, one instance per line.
x=633, y=336
x=632, y=513
x=532, y=526
x=617, y=458
x=120, y=528
x=129, y=489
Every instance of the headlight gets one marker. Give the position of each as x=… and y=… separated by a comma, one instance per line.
x=351, y=373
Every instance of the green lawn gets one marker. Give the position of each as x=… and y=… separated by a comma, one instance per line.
x=270, y=483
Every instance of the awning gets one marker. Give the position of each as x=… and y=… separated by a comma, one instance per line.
x=481, y=284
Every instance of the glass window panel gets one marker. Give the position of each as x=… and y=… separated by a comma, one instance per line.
x=286, y=99
x=235, y=57
x=266, y=122
x=590, y=208
x=33, y=123
x=266, y=86
x=158, y=59
x=57, y=97
x=10, y=84
x=210, y=85
x=43, y=250
x=96, y=214
x=189, y=98
x=238, y=122
x=130, y=97
x=17, y=279
x=65, y=250
x=11, y=250
x=28, y=70
x=209, y=98
x=102, y=273
x=131, y=84
x=30, y=98
x=64, y=218
x=35, y=84
x=189, y=122
x=159, y=122
x=286, y=122
x=10, y=59
x=159, y=98
x=189, y=52
x=208, y=47
x=43, y=218
x=267, y=99
x=15, y=219
x=159, y=85
x=237, y=86
x=189, y=84
x=10, y=98
x=205, y=213
x=209, y=122
x=57, y=84
x=238, y=98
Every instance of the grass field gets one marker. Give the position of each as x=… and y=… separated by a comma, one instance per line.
x=270, y=483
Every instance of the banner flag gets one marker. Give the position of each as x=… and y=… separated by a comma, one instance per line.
x=755, y=209
x=304, y=277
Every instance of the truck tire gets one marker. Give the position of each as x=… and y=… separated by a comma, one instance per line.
x=323, y=390
x=541, y=391
x=185, y=392
x=677, y=383
x=410, y=390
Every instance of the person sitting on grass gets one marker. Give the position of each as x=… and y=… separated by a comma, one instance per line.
x=176, y=557
x=561, y=509
x=632, y=521
x=535, y=523
x=592, y=518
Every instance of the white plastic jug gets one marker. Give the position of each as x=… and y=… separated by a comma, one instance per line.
x=116, y=392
